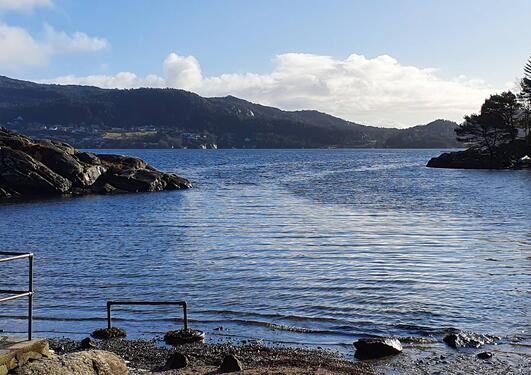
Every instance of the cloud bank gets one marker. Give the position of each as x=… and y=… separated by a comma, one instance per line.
x=18, y=48
x=377, y=91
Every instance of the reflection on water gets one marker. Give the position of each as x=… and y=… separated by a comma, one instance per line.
x=310, y=246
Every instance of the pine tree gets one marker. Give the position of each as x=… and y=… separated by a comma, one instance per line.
x=525, y=99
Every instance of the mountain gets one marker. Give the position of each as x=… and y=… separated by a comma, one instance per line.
x=93, y=117
x=436, y=134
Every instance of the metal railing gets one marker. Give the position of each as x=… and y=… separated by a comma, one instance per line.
x=10, y=256
x=144, y=303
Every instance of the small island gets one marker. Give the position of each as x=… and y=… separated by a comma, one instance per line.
x=35, y=168
x=498, y=136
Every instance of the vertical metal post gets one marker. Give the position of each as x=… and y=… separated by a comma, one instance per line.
x=185, y=315
x=109, y=322
x=30, y=297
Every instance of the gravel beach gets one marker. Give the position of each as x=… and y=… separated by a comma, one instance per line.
x=148, y=357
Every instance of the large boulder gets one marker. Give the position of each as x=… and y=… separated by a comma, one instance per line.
x=92, y=362
x=32, y=167
x=23, y=175
x=377, y=347
x=62, y=161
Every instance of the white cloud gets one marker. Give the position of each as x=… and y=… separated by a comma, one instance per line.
x=61, y=42
x=377, y=91
x=23, y=5
x=182, y=72
x=18, y=48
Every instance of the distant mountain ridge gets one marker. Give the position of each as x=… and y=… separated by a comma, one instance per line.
x=89, y=116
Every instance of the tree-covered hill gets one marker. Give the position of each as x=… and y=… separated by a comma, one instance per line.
x=86, y=116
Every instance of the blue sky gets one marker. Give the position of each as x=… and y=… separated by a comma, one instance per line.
x=292, y=54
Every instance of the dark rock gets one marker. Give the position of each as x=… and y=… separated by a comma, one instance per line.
x=183, y=336
x=105, y=188
x=87, y=343
x=109, y=333
x=484, y=355
x=174, y=182
x=230, y=363
x=31, y=167
x=61, y=159
x=377, y=347
x=87, y=157
x=4, y=194
x=176, y=361
x=464, y=339
x=139, y=180
x=121, y=162
x=23, y=174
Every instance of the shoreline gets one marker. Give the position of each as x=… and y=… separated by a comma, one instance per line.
x=149, y=356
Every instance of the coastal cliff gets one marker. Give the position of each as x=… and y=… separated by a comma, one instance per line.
x=34, y=167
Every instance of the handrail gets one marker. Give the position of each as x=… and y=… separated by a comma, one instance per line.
x=180, y=303
x=10, y=256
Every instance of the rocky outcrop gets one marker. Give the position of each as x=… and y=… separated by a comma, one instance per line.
x=505, y=156
x=377, y=347
x=92, y=362
x=30, y=168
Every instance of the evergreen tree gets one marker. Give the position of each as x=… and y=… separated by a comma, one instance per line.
x=525, y=99
x=493, y=126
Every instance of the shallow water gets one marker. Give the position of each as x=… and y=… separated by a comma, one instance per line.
x=298, y=246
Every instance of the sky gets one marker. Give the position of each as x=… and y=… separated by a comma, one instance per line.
x=382, y=62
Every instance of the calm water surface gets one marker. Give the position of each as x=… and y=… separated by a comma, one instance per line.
x=304, y=246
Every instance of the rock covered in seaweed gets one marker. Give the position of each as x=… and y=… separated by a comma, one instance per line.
x=33, y=167
x=109, y=333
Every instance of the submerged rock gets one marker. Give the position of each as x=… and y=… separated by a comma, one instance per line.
x=32, y=167
x=230, y=363
x=465, y=339
x=377, y=347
